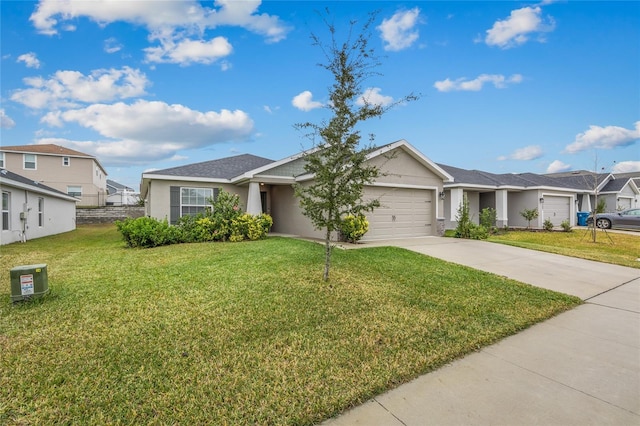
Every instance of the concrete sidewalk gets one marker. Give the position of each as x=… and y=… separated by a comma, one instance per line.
x=579, y=368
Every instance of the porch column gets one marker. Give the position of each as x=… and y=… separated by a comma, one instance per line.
x=502, y=216
x=254, y=205
x=586, y=203
x=455, y=200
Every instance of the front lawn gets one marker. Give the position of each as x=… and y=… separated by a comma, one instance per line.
x=236, y=333
x=610, y=247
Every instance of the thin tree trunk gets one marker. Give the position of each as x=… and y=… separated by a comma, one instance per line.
x=327, y=254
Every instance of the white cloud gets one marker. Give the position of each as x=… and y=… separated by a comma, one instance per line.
x=157, y=121
x=373, y=97
x=178, y=26
x=398, y=32
x=5, y=121
x=530, y=152
x=626, y=167
x=304, y=101
x=123, y=152
x=30, y=60
x=111, y=45
x=558, y=166
x=604, y=138
x=146, y=131
x=68, y=88
x=518, y=28
x=499, y=81
x=185, y=51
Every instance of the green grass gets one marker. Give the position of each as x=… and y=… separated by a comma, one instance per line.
x=610, y=247
x=236, y=333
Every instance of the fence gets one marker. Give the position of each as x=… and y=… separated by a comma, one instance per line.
x=85, y=216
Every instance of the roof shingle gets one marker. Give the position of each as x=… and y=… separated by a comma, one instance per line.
x=223, y=168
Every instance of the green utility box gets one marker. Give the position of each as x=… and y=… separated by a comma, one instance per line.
x=29, y=282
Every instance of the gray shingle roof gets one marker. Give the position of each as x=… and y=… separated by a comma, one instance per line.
x=615, y=185
x=223, y=168
x=580, y=181
x=113, y=187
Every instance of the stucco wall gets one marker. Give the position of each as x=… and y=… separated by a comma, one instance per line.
x=518, y=201
x=287, y=215
x=158, y=203
x=398, y=167
x=50, y=171
x=59, y=216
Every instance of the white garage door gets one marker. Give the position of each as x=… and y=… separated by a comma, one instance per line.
x=624, y=203
x=402, y=213
x=556, y=209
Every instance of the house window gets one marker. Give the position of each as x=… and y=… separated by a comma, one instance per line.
x=6, y=201
x=66, y=161
x=74, y=191
x=2, y=159
x=40, y=211
x=29, y=161
x=194, y=200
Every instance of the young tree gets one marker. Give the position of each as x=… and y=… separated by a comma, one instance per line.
x=529, y=215
x=337, y=164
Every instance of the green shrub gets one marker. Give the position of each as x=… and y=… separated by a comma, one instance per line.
x=148, y=232
x=478, y=232
x=354, y=227
x=463, y=229
x=529, y=215
x=488, y=217
x=225, y=222
x=226, y=208
x=547, y=225
x=247, y=226
x=566, y=226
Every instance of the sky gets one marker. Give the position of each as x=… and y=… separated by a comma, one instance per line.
x=504, y=87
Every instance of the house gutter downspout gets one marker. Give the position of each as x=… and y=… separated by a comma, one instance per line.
x=24, y=214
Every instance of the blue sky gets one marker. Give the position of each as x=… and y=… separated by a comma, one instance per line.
x=505, y=86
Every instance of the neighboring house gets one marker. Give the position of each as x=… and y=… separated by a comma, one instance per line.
x=33, y=210
x=74, y=173
x=558, y=197
x=121, y=195
x=619, y=191
x=410, y=190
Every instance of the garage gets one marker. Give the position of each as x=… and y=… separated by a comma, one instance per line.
x=402, y=213
x=624, y=203
x=556, y=209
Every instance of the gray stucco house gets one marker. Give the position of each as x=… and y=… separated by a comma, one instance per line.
x=410, y=190
x=558, y=197
x=418, y=197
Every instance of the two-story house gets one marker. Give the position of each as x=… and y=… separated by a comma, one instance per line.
x=72, y=172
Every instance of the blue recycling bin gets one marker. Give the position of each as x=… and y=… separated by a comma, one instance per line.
x=582, y=218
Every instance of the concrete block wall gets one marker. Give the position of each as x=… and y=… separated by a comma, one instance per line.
x=106, y=214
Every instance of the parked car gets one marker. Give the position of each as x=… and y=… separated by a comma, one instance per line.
x=629, y=218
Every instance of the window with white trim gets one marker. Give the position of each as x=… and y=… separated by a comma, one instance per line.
x=40, y=212
x=74, y=190
x=66, y=161
x=6, y=204
x=194, y=200
x=29, y=161
x=2, y=159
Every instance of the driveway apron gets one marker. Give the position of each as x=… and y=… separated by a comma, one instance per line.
x=581, y=367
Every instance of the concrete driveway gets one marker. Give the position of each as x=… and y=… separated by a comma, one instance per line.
x=579, y=368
